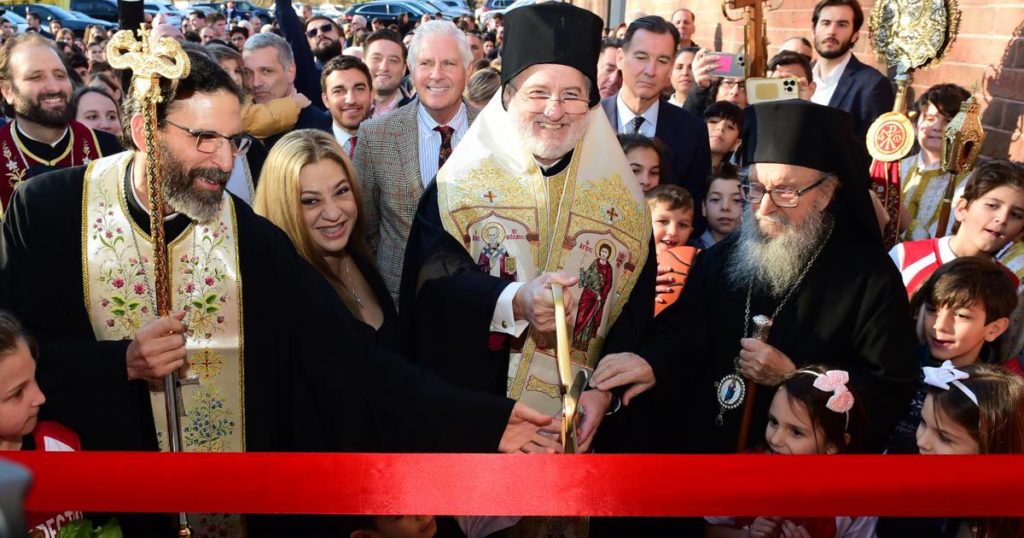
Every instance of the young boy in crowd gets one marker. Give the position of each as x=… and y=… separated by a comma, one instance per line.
x=793, y=64
x=725, y=123
x=722, y=206
x=924, y=182
x=962, y=309
x=671, y=215
x=990, y=214
x=672, y=222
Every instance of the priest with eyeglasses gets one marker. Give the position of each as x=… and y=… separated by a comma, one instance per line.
x=279, y=364
x=809, y=267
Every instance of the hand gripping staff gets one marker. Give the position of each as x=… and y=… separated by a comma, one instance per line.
x=165, y=60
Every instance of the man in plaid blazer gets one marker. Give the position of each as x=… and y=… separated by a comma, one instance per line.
x=397, y=155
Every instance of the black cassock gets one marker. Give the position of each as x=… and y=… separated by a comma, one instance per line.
x=313, y=379
x=850, y=313
x=447, y=303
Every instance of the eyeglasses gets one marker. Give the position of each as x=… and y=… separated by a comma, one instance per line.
x=210, y=142
x=322, y=29
x=730, y=84
x=782, y=196
x=537, y=100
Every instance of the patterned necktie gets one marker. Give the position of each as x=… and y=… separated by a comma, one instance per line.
x=446, y=144
x=352, y=146
x=635, y=124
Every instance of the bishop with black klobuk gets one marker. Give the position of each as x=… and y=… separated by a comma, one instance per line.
x=810, y=258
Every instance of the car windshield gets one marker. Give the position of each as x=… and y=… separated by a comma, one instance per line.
x=13, y=17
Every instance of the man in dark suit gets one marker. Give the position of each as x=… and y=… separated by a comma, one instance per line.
x=269, y=58
x=645, y=59
x=348, y=92
x=842, y=81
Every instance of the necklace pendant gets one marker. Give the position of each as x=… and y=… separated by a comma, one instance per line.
x=730, y=391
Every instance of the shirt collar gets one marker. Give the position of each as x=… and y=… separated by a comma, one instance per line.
x=945, y=251
x=341, y=135
x=922, y=167
x=458, y=122
x=389, y=106
x=707, y=239
x=626, y=115
x=53, y=145
x=833, y=78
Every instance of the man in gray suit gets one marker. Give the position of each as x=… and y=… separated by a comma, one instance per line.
x=399, y=154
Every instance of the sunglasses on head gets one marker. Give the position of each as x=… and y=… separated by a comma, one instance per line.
x=322, y=29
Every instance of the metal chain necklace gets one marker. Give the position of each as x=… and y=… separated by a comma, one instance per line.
x=731, y=390
x=348, y=285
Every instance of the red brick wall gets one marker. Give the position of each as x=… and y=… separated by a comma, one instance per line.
x=988, y=53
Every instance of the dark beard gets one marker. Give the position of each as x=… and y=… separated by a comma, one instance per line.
x=328, y=51
x=179, y=192
x=33, y=111
x=838, y=53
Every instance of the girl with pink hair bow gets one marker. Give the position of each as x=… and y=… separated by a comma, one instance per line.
x=813, y=412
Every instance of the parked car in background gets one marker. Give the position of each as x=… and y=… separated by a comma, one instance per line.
x=329, y=10
x=455, y=8
x=206, y=9
x=388, y=11
x=492, y=8
x=168, y=10
x=433, y=7
x=439, y=6
x=16, y=20
x=520, y=3
x=76, y=22
x=244, y=9
x=98, y=9
x=249, y=9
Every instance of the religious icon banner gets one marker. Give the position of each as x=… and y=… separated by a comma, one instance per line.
x=589, y=220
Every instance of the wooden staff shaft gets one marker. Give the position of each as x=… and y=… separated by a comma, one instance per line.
x=762, y=326
x=748, y=413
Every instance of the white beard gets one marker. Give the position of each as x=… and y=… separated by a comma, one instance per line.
x=549, y=149
x=774, y=265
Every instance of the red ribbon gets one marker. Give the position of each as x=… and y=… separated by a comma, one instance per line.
x=473, y=484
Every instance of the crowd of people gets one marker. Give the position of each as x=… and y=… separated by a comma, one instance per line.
x=365, y=222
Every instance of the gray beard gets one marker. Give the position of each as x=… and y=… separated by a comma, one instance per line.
x=773, y=266
x=179, y=193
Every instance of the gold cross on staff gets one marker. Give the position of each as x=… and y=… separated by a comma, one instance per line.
x=166, y=59
x=755, y=43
